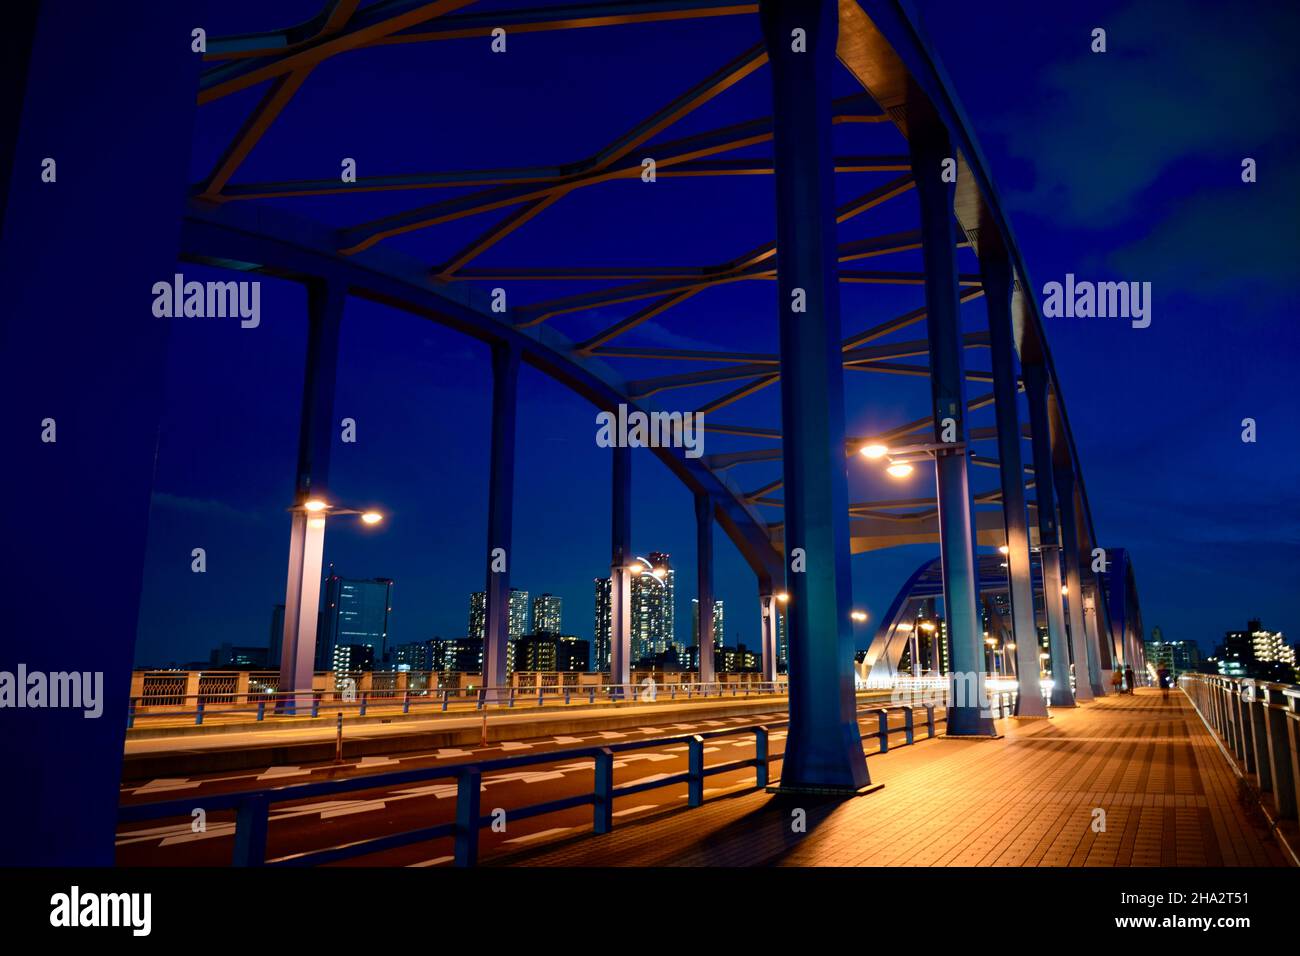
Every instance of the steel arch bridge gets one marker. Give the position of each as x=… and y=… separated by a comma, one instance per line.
x=871, y=158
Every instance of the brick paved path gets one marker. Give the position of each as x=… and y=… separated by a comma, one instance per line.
x=1028, y=799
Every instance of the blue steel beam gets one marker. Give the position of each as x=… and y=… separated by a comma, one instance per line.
x=325, y=303
x=823, y=751
x=967, y=713
x=997, y=296
x=265, y=240
x=620, y=578
x=1087, y=672
x=1049, y=541
x=501, y=507
x=704, y=585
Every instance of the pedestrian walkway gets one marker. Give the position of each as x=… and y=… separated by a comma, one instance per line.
x=1123, y=781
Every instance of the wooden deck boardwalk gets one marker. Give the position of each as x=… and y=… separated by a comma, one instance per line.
x=1168, y=796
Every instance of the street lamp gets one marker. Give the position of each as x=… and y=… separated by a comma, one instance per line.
x=899, y=470
x=302, y=596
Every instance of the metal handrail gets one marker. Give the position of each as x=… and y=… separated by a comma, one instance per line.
x=289, y=703
x=252, y=808
x=1257, y=724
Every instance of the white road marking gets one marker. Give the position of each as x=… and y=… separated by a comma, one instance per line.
x=169, y=783
x=360, y=806
x=568, y=740
x=611, y=734
x=437, y=860
x=375, y=761
x=631, y=810
x=445, y=752
x=276, y=772
x=649, y=779
x=516, y=745
x=539, y=835
x=216, y=830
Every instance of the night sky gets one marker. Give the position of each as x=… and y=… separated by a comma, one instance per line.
x=1118, y=166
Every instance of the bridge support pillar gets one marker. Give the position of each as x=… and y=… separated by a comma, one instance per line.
x=620, y=578
x=501, y=509
x=704, y=585
x=325, y=301
x=1035, y=376
x=1086, y=678
x=1092, y=631
x=968, y=710
x=996, y=272
x=824, y=749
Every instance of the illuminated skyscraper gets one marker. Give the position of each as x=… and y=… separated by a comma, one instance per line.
x=652, y=606
x=518, y=613
x=601, y=635
x=355, y=613
x=546, y=613
x=478, y=614
x=718, y=629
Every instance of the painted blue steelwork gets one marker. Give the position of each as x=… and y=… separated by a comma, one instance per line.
x=1049, y=540
x=501, y=509
x=823, y=750
x=931, y=150
x=704, y=586
x=996, y=272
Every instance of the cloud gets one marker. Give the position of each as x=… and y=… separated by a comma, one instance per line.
x=1185, y=80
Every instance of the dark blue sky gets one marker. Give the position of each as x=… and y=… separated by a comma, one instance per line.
x=1117, y=166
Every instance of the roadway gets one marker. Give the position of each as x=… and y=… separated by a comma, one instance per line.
x=304, y=826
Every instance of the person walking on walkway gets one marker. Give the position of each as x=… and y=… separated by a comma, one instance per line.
x=1162, y=676
x=1128, y=678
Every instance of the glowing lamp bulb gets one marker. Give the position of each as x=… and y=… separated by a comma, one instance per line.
x=900, y=470
x=874, y=451
x=372, y=517
x=315, y=505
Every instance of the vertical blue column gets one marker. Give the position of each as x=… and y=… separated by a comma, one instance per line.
x=968, y=713
x=1087, y=679
x=620, y=578
x=298, y=651
x=823, y=750
x=704, y=584
x=501, y=509
x=1035, y=376
x=997, y=294
x=78, y=257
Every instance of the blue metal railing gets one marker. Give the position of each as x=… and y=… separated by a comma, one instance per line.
x=252, y=808
x=258, y=706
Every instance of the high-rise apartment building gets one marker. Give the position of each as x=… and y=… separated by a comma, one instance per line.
x=355, y=613
x=518, y=614
x=547, y=613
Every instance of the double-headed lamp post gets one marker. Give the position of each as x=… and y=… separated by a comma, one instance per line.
x=302, y=598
